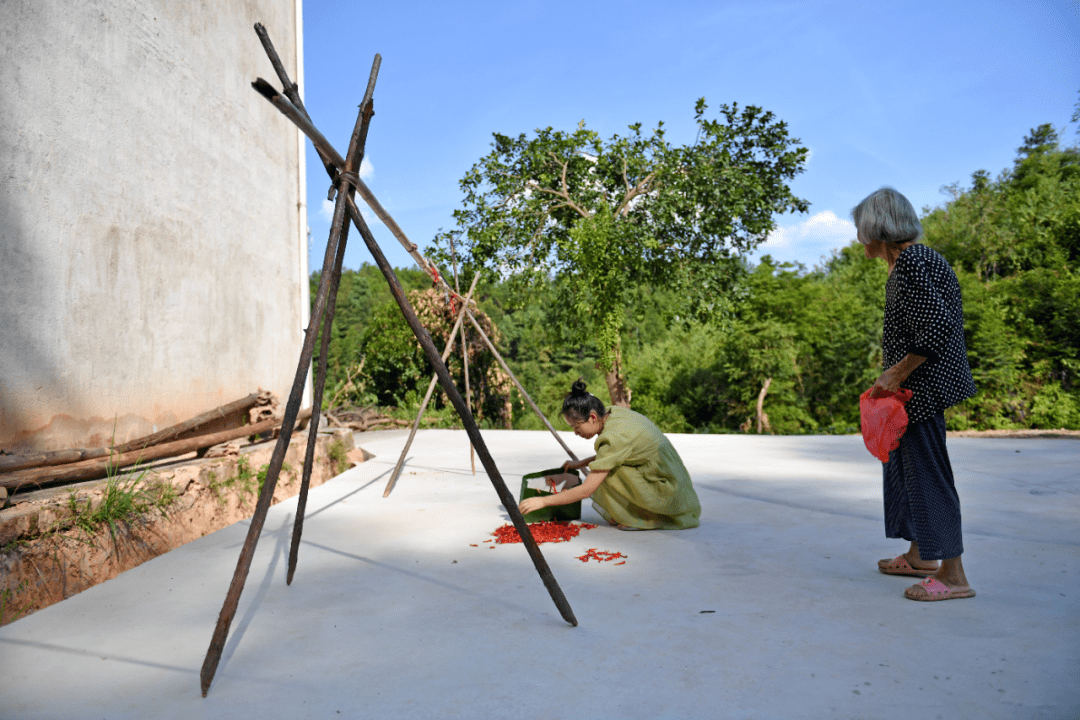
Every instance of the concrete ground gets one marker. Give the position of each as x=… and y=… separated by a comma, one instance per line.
x=773, y=608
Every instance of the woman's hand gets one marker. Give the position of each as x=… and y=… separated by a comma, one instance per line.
x=554, y=481
x=576, y=464
x=888, y=383
x=890, y=380
x=528, y=505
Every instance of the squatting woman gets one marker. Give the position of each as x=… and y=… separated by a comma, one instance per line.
x=636, y=480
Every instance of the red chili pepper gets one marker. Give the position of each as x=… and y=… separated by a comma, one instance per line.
x=473, y=545
x=542, y=532
x=600, y=556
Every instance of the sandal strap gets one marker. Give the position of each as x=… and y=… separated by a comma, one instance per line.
x=933, y=586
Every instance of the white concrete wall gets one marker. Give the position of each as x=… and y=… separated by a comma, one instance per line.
x=152, y=253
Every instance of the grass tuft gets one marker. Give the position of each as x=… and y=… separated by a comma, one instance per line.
x=6, y=597
x=245, y=481
x=339, y=462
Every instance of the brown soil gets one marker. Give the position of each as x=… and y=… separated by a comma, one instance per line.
x=1074, y=434
x=43, y=560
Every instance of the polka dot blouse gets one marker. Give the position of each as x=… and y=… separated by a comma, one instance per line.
x=924, y=315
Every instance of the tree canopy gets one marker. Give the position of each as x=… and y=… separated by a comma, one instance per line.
x=594, y=219
x=1015, y=243
x=794, y=347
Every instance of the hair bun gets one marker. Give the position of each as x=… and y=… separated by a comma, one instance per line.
x=578, y=388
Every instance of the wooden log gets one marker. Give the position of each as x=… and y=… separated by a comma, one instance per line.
x=11, y=463
x=101, y=467
x=468, y=392
x=245, y=403
x=63, y=457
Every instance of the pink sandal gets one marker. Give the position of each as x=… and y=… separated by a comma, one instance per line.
x=934, y=589
x=900, y=566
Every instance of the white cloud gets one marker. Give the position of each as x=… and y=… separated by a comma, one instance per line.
x=807, y=242
x=823, y=226
x=367, y=171
x=327, y=210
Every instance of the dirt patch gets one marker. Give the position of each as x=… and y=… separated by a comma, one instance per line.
x=47, y=555
x=1061, y=433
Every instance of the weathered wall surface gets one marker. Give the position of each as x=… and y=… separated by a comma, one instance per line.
x=152, y=264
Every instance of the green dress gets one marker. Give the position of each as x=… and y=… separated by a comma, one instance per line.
x=647, y=486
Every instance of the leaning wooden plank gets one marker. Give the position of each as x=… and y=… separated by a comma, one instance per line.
x=100, y=467
x=427, y=396
x=520, y=387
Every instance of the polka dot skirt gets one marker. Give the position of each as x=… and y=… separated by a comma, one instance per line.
x=921, y=503
x=924, y=315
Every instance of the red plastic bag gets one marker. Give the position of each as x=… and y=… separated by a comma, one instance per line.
x=884, y=421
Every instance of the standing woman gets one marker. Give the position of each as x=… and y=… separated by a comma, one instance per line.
x=637, y=480
x=922, y=345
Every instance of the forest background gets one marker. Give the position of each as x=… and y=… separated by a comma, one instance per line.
x=803, y=341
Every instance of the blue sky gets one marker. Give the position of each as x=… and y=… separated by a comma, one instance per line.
x=915, y=95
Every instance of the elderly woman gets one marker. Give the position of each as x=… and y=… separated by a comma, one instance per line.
x=637, y=480
x=923, y=350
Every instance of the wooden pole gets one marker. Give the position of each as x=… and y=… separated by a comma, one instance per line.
x=464, y=355
x=427, y=396
x=292, y=409
x=521, y=389
x=353, y=160
x=331, y=156
x=468, y=391
x=508, y=500
x=232, y=599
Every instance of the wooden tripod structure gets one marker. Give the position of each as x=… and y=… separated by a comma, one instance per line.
x=343, y=172
x=466, y=312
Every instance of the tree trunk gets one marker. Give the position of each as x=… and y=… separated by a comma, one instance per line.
x=616, y=381
x=762, y=418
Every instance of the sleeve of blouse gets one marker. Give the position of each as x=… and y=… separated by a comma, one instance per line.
x=925, y=316
x=611, y=452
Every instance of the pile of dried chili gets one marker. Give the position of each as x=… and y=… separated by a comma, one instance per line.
x=600, y=556
x=542, y=532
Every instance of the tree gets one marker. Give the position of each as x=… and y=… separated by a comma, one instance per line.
x=1014, y=243
x=596, y=219
x=398, y=371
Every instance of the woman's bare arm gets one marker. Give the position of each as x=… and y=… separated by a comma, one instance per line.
x=571, y=495
x=572, y=465
x=890, y=379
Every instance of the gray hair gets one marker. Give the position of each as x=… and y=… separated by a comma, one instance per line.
x=888, y=216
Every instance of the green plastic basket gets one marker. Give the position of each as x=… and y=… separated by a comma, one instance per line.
x=552, y=512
